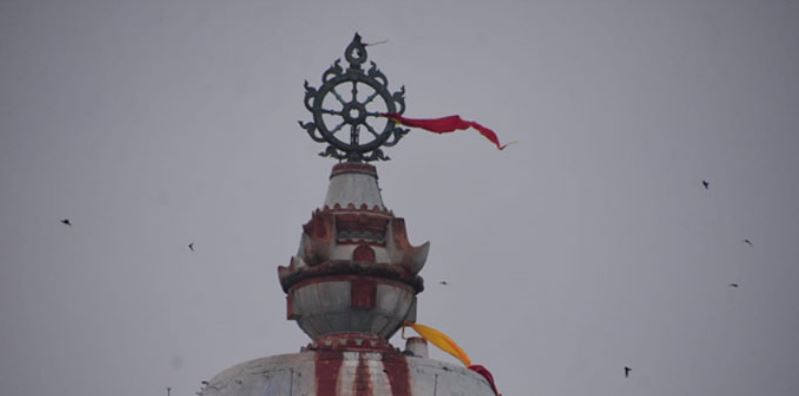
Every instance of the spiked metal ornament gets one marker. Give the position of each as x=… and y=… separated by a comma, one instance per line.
x=353, y=100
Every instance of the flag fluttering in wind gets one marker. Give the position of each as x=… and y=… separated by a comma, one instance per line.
x=445, y=125
x=448, y=345
x=442, y=341
x=486, y=374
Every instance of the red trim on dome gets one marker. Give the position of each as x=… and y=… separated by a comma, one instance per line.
x=376, y=209
x=361, y=222
x=396, y=368
x=352, y=167
x=363, y=253
x=352, y=342
x=327, y=367
x=344, y=270
x=363, y=293
x=362, y=383
x=319, y=226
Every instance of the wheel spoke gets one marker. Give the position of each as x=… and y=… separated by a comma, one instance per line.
x=371, y=130
x=338, y=97
x=373, y=114
x=337, y=128
x=354, y=91
x=333, y=112
x=370, y=98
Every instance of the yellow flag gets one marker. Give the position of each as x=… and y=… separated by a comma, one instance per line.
x=442, y=341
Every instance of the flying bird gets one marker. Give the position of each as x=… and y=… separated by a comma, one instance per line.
x=443, y=283
x=748, y=242
x=733, y=285
x=204, y=383
x=66, y=222
x=627, y=372
x=191, y=246
x=706, y=184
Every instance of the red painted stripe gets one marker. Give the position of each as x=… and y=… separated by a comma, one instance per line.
x=396, y=368
x=327, y=367
x=362, y=385
x=363, y=293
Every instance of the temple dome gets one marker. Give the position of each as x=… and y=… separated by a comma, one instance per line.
x=346, y=373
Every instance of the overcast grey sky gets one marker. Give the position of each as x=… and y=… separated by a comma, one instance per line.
x=589, y=246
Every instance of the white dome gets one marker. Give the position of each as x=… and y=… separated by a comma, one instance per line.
x=347, y=374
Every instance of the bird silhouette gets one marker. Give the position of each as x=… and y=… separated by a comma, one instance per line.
x=748, y=242
x=204, y=383
x=706, y=184
x=733, y=285
x=66, y=222
x=191, y=246
x=627, y=372
x=443, y=283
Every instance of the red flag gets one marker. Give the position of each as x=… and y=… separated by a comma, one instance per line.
x=486, y=374
x=445, y=125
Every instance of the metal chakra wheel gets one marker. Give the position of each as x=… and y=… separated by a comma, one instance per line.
x=348, y=109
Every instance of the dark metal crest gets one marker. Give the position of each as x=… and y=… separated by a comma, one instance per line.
x=348, y=109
